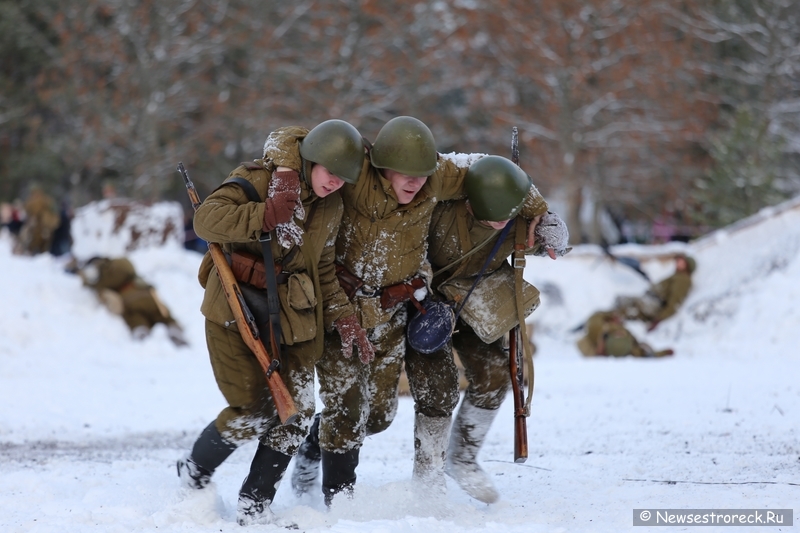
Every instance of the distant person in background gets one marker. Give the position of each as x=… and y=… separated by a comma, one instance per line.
x=661, y=300
x=17, y=217
x=6, y=215
x=41, y=220
x=607, y=335
x=62, y=236
x=663, y=228
x=191, y=241
x=124, y=293
x=109, y=191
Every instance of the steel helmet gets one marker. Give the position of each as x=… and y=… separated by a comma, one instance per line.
x=405, y=145
x=496, y=188
x=337, y=146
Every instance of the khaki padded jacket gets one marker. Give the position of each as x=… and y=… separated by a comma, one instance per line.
x=227, y=217
x=454, y=232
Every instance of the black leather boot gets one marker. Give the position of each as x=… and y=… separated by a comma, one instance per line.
x=259, y=487
x=209, y=451
x=338, y=473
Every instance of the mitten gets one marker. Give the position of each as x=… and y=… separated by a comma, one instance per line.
x=351, y=331
x=279, y=209
x=285, y=180
x=552, y=236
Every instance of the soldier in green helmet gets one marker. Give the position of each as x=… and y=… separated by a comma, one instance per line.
x=463, y=234
x=300, y=204
x=381, y=253
x=662, y=300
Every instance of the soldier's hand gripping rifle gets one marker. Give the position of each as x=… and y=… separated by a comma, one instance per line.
x=245, y=321
x=516, y=346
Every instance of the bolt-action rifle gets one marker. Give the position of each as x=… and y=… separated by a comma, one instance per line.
x=515, y=355
x=245, y=321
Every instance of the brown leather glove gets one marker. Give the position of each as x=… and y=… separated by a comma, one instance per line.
x=351, y=331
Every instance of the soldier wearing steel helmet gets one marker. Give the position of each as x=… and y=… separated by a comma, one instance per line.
x=381, y=247
x=497, y=190
x=301, y=203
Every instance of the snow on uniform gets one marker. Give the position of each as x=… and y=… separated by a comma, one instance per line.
x=383, y=243
x=454, y=232
x=229, y=218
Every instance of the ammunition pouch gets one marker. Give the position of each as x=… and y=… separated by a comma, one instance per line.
x=400, y=292
x=349, y=282
x=297, y=308
x=491, y=309
x=249, y=268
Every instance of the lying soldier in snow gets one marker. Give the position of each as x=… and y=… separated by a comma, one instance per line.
x=124, y=293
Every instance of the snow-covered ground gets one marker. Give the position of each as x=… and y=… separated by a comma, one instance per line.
x=92, y=422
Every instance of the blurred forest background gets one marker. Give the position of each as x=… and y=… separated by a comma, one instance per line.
x=633, y=116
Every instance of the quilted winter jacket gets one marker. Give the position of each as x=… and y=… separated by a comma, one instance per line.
x=227, y=217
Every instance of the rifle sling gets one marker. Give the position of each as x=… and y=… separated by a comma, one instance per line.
x=519, y=266
x=466, y=255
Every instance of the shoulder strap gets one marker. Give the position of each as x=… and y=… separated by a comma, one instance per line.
x=248, y=188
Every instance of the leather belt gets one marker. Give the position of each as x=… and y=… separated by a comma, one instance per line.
x=367, y=292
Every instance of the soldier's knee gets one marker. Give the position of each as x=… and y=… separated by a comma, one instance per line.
x=380, y=419
x=487, y=399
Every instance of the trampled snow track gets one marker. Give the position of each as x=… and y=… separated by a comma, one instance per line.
x=132, y=447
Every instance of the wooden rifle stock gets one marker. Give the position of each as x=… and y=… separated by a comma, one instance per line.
x=515, y=358
x=520, y=423
x=284, y=404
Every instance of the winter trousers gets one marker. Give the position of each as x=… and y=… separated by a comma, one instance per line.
x=433, y=381
x=251, y=412
x=485, y=366
x=360, y=400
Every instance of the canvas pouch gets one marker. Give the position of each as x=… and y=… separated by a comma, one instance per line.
x=491, y=309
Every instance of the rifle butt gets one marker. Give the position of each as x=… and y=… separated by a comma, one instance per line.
x=520, y=424
x=520, y=438
x=284, y=404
